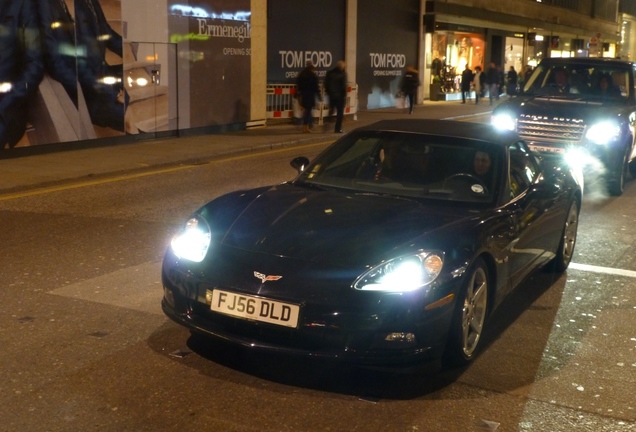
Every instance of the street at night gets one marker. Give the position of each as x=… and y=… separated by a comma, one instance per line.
x=87, y=347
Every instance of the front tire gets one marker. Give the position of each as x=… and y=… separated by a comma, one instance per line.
x=470, y=316
x=568, y=239
x=632, y=168
x=617, y=181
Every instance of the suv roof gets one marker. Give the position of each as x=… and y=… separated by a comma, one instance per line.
x=586, y=60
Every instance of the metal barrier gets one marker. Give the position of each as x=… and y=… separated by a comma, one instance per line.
x=282, y=102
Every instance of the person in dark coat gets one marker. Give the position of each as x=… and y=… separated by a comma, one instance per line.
x=467, y=78
x=410, y=83
x=492, y=79
x=436, y=67
x=336, y=87
x=512, y=81
x=307, y=93
x=21, y=67
x=606, y=88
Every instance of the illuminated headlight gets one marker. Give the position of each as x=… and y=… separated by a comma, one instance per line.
x=402, y=274
x=602, y=133
x=193, y=241
x=577, y=158
x=503, y=122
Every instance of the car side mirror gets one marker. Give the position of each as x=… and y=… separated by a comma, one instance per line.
x=299, y=163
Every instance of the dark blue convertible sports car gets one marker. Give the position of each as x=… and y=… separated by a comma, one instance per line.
x=390, y=249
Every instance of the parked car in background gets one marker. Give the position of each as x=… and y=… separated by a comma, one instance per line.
x=582, y=108
x=391, y=249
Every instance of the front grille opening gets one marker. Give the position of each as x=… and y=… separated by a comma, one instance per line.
x=557, y=129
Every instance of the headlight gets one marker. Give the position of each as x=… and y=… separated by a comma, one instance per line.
x=402, y=274
x=577, y=158
x=503, y=121
x=193, y=241
x=602, y=133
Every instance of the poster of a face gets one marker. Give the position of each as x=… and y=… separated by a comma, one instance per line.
x=60, y=71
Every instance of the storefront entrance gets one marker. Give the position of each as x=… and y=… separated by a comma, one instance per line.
x=453, y=50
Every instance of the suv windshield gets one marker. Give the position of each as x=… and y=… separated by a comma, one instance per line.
x=604, y=82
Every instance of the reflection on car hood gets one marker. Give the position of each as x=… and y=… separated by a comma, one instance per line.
x=331, y=226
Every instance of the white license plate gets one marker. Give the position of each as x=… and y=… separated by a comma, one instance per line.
x=544, y=149
x=255, y=308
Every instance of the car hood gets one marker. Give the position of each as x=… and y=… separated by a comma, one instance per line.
x=333, y=227
x=568, y=107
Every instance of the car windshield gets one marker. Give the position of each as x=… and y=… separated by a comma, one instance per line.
x=410, y=165
x=603, y=82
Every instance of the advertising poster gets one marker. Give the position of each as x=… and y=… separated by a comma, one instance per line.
x=387, y=44
x=299, y=31
x=60, y=71
x=214, y=55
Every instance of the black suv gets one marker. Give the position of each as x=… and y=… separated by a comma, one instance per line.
x=579, y=106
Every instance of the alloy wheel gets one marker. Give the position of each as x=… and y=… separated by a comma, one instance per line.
x=474, y=311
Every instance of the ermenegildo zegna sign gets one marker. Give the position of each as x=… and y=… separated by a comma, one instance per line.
x=211, y=28
x=214, y=60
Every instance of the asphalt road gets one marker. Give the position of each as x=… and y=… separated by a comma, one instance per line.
x=85, y=346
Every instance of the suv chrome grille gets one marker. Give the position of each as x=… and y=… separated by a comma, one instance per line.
x=544, y=128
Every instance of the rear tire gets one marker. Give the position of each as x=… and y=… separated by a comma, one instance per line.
x=470, y=316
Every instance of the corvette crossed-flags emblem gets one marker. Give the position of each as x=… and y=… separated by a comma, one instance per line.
x=265, y=278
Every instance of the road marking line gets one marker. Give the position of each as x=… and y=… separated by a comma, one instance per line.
x=468, y=116
x=137, y=287
x=81, y=184
x=606, y=270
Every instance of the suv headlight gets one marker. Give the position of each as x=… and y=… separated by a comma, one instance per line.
x=193, y=241
x=402, y=274
x=603, y=132
x=503, y=121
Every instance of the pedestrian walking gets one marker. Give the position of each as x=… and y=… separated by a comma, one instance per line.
x=492, y=79
x=479, y=81
x=410, y=83
x=307, y=93
x=467, y=79
x=336, y=88
x=512, y=81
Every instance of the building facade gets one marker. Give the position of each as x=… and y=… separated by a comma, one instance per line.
x=106, y=70
x=514, y=33
x=627, y=20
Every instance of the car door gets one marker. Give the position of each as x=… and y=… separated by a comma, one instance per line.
x=532, y=207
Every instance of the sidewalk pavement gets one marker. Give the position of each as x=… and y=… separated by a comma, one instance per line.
x=52, y=166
